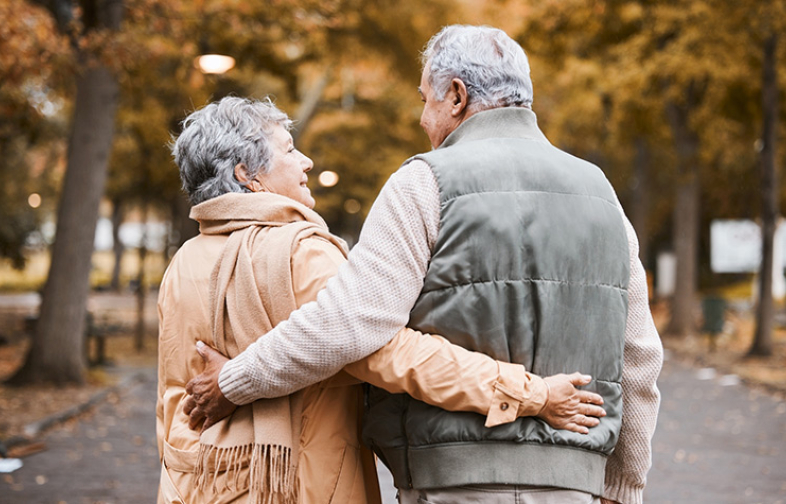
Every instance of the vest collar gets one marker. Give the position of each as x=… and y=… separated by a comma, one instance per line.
x=503, y=122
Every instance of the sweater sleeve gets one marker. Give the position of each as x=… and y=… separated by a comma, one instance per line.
x=362, y=307
x=626, y=469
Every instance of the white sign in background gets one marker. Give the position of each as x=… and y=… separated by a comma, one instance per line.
x=735, y=247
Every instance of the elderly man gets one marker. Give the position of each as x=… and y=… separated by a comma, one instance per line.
x=507, y=246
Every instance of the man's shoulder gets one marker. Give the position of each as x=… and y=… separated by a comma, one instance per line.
x=413, y=174
x=414, y=165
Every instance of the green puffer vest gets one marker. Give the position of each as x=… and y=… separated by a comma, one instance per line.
x=531, y=265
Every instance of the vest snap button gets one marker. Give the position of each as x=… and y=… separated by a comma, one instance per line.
x=504, y=406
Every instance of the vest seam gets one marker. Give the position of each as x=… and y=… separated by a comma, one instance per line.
x=526, y=280
x=520, y=443
x=524, y=191
x=608, y=381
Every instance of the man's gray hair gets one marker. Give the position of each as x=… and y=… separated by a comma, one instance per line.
x=492, y=65
x=220, y=135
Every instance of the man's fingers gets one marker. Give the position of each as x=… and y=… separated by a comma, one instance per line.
x=195, y=418
x=208, y=423
x=202, y=350
x=208, y=353
x=189, y=405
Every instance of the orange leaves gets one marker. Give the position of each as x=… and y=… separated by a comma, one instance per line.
x=28, y=42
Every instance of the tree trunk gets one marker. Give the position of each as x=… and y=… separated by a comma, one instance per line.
x=56, y=354
x=141, y=289
x=117, y=244
x=762, y=342
x=686, y=232
x=685, y=219
x=57, y=351
x=640, y=203
x=184, y=227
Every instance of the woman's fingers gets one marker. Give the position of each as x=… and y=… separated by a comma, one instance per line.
x=578, y=379
x=576, y=427
x=592, y=410
x=587, y=421
x=589, y=397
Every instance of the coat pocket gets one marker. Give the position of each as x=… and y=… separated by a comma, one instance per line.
x=167, y=491
x=349, y=485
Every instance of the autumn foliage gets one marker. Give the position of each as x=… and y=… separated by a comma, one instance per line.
x=664, y=95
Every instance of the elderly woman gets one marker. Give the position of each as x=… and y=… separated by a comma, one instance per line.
x=261, y=253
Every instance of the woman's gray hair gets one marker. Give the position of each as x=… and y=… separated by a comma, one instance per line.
x=492, y=65
x=220, y=135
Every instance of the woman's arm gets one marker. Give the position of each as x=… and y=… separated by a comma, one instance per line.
x=433, y=370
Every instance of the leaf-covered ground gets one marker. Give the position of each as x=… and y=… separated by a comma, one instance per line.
x=21, y=406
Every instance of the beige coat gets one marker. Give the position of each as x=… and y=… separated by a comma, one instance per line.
x=333, y=467
x=331, y=463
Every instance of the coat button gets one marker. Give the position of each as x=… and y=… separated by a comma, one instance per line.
x=504, y=406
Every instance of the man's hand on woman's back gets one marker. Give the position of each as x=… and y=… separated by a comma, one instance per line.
x=206, y=404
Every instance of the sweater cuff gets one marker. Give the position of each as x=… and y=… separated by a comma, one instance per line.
x=234, y=384
x=619, y=490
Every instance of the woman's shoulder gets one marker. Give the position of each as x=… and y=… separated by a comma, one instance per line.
x=317, y=246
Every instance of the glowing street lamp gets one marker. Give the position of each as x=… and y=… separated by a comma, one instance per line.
x=328, y=178
x=352, y=206
x=34, y=200
x=216, y=64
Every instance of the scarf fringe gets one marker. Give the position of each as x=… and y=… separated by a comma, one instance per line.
x=272, y=476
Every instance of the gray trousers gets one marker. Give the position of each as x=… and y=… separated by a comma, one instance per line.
x=496, y=494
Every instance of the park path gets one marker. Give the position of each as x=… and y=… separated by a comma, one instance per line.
x=109, y=456
x=718, y=442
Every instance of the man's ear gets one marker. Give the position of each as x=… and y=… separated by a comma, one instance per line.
x=241, y=174
x=459, y=96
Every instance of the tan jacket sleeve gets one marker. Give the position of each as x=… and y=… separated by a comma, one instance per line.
x=428, y=367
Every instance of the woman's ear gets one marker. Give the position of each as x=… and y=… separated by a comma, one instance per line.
x=241, y=174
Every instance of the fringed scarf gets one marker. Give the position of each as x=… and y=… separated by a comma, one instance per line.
x=251, y=292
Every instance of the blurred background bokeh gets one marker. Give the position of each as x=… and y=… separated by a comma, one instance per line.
x=680, y=102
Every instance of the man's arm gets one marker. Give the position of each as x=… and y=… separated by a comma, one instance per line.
x=361, y=309
x=626, y=469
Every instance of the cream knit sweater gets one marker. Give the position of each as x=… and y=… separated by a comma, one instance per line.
x=363, y=307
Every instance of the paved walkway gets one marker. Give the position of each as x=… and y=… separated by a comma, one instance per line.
x=107, y=457
x=717, y=442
